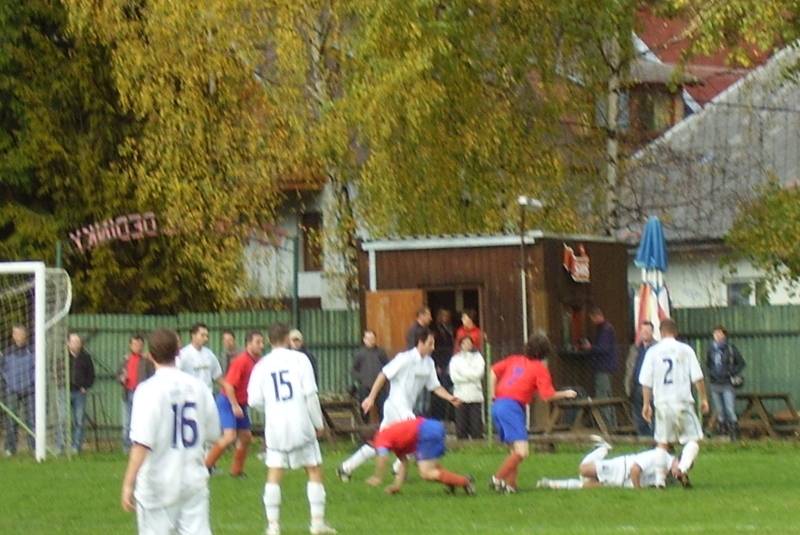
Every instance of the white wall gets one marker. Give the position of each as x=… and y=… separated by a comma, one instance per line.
x=696, y=280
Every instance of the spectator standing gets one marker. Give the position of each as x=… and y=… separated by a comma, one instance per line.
x=723, y=361
x=166, y=482
x=198, y=360
x=282, y=385
x=232, y=406
x=297, y=343
x=633, y=389
x=469, y=327
x=134, y=369
x=442, y=353
x=18, y=371
x=669, y=370
x=467, y=368
x=367, y=364
x=603, y=351
x=232, y=349
x=81, y=379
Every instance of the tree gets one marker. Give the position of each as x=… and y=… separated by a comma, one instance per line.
x=766, y=230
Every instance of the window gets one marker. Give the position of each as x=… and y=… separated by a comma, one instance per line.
x=311, y=232
x=748, y=293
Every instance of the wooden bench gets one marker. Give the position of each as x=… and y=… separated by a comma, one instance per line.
x=589, y=416
x=342, y=416
x=758, y=420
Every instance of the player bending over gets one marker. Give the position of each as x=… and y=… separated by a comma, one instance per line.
x=627, y=471
x=173, y=416
x=513, y=383
x=426, y=440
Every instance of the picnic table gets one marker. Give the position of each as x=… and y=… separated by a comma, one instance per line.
x=776, y=418
x=342, y=416
x=588, y=416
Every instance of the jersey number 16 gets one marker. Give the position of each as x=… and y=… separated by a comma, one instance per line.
x=184, y=425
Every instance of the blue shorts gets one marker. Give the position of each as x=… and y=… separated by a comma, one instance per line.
x=508, y=416
x=430, y=442
x=226, y=417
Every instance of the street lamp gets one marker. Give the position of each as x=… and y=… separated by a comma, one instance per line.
x=526, y=204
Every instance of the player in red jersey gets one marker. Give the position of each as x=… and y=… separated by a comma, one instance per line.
x=513, y=383
x=232, y=406
x=423, y=438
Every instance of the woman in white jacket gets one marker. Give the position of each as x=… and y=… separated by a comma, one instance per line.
x=467, y=368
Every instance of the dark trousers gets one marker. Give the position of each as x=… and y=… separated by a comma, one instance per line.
x=20, y=404
x=643, y=429
x=469, y=421
x=440, y=409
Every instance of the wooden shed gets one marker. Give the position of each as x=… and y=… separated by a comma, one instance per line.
x=564, y=276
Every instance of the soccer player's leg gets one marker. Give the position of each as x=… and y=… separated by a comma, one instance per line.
x=244, y=437
x=311, y=459
x=509, y=418
x=430, y=448
x=228, y=423
x=193, y=516
x=276, y=463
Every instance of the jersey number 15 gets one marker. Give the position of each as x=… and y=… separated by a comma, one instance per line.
x=283, y=387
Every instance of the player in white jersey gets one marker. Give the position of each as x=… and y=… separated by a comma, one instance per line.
x=282, y=385
x=409, y=374
x=669, y=370
x=197, y=360
x=173, y=415
x=637, y=470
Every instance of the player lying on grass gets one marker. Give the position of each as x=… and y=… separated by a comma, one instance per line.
x=629, y=471
x=423, y=438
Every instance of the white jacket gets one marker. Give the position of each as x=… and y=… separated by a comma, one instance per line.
x=466, y=371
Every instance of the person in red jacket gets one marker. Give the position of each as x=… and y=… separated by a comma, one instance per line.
x=423, y=438
x=513, y=383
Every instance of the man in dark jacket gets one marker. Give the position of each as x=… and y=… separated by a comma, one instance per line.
x=81, y=379
x=367, y=364
x=18, y=371
x=724, y=361
x=603, y=350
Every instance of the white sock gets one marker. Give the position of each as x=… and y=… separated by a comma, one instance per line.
x=570, y=484
x=688, y=455
x=362, y=455
x=316, y=499
x=662, y=464
x=598, y=454
x=272, y=503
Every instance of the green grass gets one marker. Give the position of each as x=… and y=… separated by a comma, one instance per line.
x=740, y=488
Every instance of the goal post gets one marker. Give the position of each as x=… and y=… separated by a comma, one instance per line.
x=38, y=299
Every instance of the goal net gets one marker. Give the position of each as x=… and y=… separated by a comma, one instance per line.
x=34, y=384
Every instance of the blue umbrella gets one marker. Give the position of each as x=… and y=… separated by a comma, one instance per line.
x=652, y=253
x=652, y=300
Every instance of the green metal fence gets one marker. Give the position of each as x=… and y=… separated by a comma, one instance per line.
x=332, y=336
x=767, y=336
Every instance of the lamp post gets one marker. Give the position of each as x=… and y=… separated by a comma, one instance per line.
x=526, y=204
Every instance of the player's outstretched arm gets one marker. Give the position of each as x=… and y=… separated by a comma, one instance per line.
x=380, y=469
x=400, y=478
x=701, y=391
x=447, y=396
x=135, y=460
x=369, y=401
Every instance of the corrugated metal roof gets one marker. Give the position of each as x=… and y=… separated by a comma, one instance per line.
x=458, y=241
x=695, y=176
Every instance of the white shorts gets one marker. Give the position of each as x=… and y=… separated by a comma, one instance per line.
x=393, y=414
x=308, y=455
x=677, y=424
x=189, y=517
x=611, y=472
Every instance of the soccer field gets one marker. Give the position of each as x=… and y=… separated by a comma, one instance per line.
x=739, y=488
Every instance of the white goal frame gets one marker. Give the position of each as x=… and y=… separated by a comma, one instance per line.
x=41, y=326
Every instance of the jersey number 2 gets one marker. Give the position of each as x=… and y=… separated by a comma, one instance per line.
x=283, y=388
x=668, y=373
x=184, y=426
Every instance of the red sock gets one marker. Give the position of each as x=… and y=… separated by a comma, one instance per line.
x=214, y=455
x=449, y=478
x=239, y=456
x=509, y=466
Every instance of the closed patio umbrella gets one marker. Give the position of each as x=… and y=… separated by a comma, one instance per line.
x=651, y=302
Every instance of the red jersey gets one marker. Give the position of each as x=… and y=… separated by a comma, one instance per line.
x=519, y=378
x=132, y=371
x=401, y=438
x=238, y=375
x=475, y=333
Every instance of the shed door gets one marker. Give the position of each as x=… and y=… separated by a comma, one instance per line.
x=390, y=313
